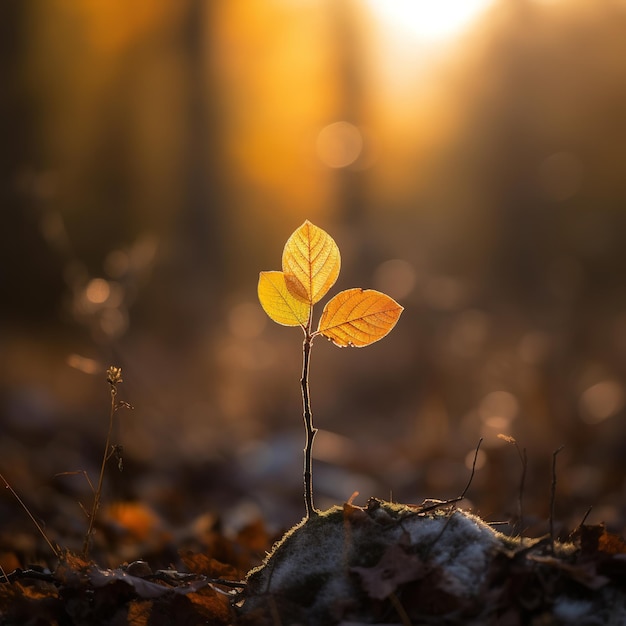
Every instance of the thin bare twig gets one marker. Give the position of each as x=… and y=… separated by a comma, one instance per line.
x=520, y=496
x=32, y=574
x=440, y=504
x=553, y=496
x=522, y=482
x=235, y=584
x=454, y=500
x=471, y=478
x=32, y=517
x=585, y=516
x=400, y=610
x=76, y=473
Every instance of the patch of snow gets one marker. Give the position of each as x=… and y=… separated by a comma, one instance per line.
x=463, y=549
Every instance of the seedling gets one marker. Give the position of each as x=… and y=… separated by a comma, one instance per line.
x=354, y=317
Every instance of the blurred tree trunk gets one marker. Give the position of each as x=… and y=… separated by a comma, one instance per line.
x=351, y=76
x=30, y=276
x=201, y=224
x=522, y=220
x=350, y=79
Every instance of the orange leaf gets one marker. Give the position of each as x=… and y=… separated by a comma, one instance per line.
x=278, y=302
x=311, y=261
x=357, y=318
x=139, y=612
x=200, y=563
x=611, y=544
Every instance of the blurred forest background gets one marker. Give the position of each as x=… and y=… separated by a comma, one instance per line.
x=155, y=157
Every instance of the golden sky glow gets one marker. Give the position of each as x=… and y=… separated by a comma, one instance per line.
x=427, y=20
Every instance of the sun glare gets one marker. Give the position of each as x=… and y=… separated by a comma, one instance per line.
x=430, y=20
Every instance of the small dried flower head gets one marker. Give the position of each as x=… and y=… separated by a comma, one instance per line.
x=507, y=438
x=114, y=375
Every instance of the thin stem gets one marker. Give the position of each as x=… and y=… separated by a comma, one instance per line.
x=471, y=478
x=439, y=504
x=585, y=516
x=308, y=425
x=520, y=496
x=32, y=517
x=105, y=458
x=553, y=496
x=522, y=482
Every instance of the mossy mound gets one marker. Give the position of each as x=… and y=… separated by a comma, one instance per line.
x=395, y=564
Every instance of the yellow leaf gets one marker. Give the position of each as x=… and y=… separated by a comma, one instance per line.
x=279, y=303
x=311, y=261
x=357, y=318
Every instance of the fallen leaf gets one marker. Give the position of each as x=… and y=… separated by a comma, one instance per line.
x=8, y=562
x=207, y=566
x=583, y=573
x=211, y=606
x=610, y=543
x=595, y=538
x=143, y=588
x=357, y=317
x=353, y=513
x=311, y=263
x=139, y=613
x=279, y=303
x=135, y=521
x=254, y=537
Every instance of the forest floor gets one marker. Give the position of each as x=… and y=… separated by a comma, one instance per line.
x=382, y=563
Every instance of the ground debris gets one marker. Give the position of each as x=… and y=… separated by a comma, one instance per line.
x=384, y=563
x=92, y=595
x=198, y=589
x=391, y=564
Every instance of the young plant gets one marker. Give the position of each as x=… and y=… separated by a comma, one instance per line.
x=114, y=378
x=354, y=317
